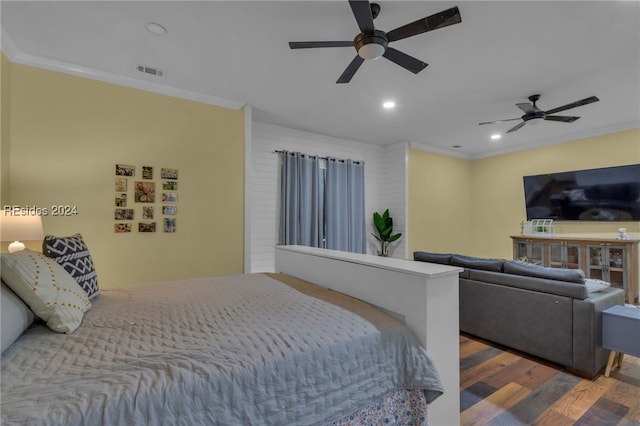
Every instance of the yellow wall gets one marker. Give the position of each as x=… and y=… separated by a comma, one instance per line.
x=64, y=134
x=496, y=194
x=67, y=134
x=439, y=202
x=5, y=96
x=498, y=190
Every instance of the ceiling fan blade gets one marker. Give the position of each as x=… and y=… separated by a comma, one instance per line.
x=430, y=23
x=516, y=127
x=499, y=121
x=528, y=108
x=561, y=118
x=314, y=44
x=405, y=61
x=573, y=105
x=348, y=73
x=362, y=12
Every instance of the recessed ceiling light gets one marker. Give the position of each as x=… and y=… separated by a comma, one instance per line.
x=389, y=105
x=495, y=136
x=155, y=28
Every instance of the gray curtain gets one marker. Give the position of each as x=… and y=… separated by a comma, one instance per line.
x=344, y=199
x=301, y=200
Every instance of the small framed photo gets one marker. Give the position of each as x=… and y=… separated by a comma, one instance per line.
x=169, y=173
x=123, y=214
x=145, y=192
x=121, y=200
x=122, y=228
x=169, y=210
x=170, y=185
x=147, y=172
x=169, y=197
x=169, y=224
x=125, y=170
x=146, y=227
x=147, y=212
x=121, y=185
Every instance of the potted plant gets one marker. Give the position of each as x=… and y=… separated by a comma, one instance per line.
x=383, y=225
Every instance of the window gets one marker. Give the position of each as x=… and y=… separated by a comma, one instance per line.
x=322, y=202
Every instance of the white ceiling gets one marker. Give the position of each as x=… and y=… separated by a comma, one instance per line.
x=501, y=53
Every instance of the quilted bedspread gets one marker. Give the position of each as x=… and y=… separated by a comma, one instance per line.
x=235, y=350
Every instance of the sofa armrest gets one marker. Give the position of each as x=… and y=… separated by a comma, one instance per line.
x=588, y=355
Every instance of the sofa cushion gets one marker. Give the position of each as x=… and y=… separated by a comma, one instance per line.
x=424, y=256
x=470, y=262
x=465, y=273
x=542, y=285
x=529, y=269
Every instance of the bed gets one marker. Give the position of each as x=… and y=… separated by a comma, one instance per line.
x=245, y=349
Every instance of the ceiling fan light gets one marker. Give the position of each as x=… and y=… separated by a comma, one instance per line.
x=371, y=51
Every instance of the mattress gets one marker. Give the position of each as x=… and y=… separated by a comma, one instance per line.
x=234, y=350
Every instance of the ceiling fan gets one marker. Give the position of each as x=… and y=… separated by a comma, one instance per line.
x=371, y=43
x=532, y=112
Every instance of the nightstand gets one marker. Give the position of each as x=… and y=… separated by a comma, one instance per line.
x=620, y=333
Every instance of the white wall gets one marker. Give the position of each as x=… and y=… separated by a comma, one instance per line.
x=384, y=174
x=394, y=193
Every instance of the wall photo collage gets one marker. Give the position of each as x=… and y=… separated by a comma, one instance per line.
x=136, y=196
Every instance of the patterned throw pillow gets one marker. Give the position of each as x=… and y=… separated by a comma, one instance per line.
x=72, y=253
x=47, y=288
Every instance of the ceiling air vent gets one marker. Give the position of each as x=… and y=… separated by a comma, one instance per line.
x=156, y=72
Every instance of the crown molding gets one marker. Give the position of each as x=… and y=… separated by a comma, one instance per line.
x=620, y=127
x=8, y=45
x=441, y=151
x=14, y=54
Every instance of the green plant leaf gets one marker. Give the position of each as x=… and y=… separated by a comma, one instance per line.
x=394, y=237
x=384, y=228
x=378, y=222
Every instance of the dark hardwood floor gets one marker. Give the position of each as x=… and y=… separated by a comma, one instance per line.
x=500, y=386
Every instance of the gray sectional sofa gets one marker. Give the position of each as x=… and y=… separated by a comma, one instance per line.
x=546, y=312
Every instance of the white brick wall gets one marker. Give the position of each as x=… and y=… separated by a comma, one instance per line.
x=394, y=192
x=384, y=183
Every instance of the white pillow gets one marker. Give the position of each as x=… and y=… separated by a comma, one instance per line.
x=16, y=317
x=594, y=285
x=49, y=290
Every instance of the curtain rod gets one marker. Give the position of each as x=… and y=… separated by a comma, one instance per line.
x=279, y=151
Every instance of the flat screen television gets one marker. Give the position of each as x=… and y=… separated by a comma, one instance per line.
x=606, y=194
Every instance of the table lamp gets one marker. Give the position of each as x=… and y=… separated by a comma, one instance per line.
x=16, y=228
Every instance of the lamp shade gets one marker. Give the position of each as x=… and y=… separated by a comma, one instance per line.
x=25, y=228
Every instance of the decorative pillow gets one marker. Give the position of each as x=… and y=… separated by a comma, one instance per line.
x=49, y=290
x=594, y=285
x=72, y=253
x=16, y=317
